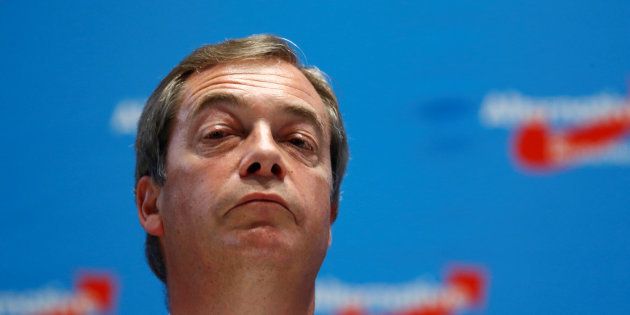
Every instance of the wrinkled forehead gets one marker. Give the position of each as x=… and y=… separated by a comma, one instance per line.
x=252, y=79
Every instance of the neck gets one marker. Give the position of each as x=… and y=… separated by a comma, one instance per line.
x=234, y=289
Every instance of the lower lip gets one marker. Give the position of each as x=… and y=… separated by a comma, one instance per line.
x=262, y=203
x=260, y=209
x=260, y=225
x=259, y=215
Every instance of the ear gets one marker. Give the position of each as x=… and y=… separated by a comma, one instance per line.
x=147, y=192
x=334, y=207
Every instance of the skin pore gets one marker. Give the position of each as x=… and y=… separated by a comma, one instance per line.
x=245, y=212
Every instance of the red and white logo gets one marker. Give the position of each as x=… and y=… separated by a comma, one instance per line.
x=552, y=133
x=463, y=289
x=94, y=293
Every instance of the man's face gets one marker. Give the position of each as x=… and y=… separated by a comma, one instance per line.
x=248, y=169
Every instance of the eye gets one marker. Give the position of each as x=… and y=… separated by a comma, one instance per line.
x=216, y=134
x=302, y=143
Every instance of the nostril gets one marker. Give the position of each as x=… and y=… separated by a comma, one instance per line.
x=275, y=169
x=253, y=168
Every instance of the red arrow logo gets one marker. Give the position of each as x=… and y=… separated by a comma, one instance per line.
x=536, y=146
x=464, y=288
x=94, y=294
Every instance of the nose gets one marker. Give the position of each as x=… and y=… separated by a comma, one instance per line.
x=262, y=155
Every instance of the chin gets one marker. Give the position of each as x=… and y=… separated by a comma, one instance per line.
x=263, y=240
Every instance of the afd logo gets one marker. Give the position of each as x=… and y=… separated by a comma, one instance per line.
x=464, y=288
x=552, y=133
x=94, y=293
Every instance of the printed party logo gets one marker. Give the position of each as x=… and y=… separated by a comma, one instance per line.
x=94, y=293
x=464, y=288
x=551, y=133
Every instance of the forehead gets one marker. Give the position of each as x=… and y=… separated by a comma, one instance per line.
x=258, y=81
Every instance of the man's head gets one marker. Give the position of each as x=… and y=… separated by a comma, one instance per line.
x=239, y=145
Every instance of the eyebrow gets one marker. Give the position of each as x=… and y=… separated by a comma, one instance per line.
x=295, y=109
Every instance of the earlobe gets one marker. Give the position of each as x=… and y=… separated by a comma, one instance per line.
x=333, y=212
x=147, y=193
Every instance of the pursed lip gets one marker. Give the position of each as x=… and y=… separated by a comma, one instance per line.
x=264, y=197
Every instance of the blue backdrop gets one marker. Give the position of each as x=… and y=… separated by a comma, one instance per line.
x=433, y=93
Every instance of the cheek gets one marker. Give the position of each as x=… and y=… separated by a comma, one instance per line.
x=316, y=192
x=317, y=217
x=187, y=195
